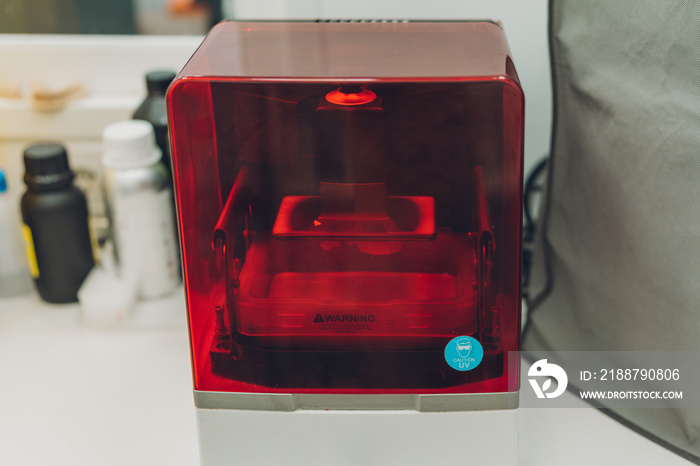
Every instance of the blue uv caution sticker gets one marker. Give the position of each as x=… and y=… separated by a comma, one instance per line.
x=464, y=353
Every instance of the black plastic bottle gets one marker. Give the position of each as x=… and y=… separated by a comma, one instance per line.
x=56, y=228
x=153, y=110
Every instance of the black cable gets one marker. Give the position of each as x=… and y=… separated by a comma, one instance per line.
x=532, y=187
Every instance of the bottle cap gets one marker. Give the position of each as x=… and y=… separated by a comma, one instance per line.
x=157, y=82
x=46, y=166
x=129, y=144
x=3, y=182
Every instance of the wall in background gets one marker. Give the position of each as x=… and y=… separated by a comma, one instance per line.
x=111, y=68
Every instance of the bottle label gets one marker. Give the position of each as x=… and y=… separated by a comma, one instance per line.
x=93, y=241
x=144, y=230
x=31, y=253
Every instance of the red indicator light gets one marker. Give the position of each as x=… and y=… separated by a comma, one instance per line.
x=351, y=95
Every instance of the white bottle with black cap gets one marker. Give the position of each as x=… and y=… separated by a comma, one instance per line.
x=140, y=205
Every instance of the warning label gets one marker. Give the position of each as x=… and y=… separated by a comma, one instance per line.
x=344, y=323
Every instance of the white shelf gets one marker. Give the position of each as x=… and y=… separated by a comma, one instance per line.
x=73, y=395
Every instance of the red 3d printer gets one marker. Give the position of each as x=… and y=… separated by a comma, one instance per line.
x=349, y=199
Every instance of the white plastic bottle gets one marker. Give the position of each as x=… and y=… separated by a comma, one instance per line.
x=140, y=205
x=14, y=273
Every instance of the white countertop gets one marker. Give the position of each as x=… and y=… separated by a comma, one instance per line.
x=75, y=395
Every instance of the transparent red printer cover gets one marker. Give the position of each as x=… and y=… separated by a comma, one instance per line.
x=349, y=199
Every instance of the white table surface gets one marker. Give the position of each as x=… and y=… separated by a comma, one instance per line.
x=76, y=395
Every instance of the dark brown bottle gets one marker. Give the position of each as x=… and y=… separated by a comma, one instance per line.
x=56, y=228
x=154, y=111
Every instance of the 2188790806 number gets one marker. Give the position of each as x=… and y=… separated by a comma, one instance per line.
x=639, y=374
